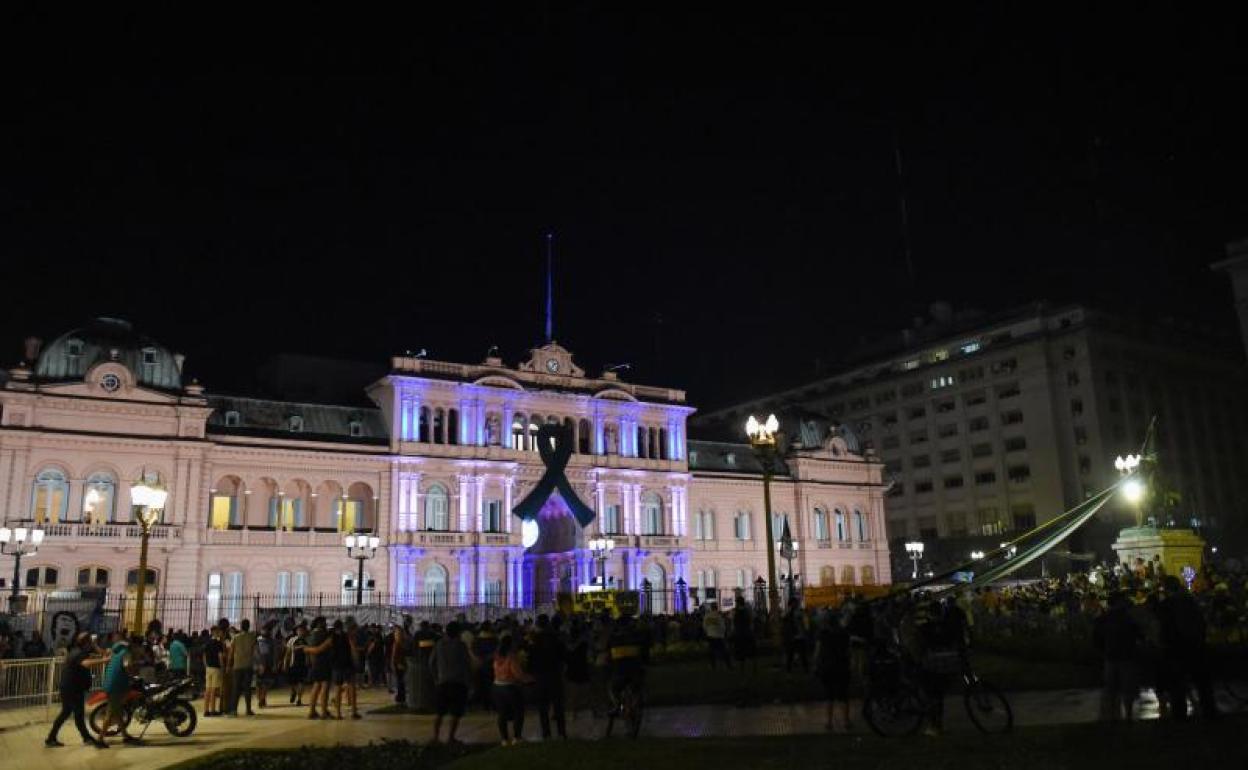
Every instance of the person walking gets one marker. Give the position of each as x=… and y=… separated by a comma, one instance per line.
x=242, y=659
x=451, y=664
x=342, y=668
x=509, y=681
x=547, y=660
x=75, y=682
x=483, y=648
x=715, y=629
x=400, y=650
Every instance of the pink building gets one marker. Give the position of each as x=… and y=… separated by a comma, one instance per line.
x=261, y=492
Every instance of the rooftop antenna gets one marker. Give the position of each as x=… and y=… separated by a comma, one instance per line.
x=550, y=300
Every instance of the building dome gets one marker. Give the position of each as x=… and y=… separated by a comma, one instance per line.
x=70, y=356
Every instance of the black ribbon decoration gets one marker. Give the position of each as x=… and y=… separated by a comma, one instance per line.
x=554, y=444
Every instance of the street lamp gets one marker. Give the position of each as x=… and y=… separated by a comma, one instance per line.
x=18, y=543
x=915, y=550
x=150, y=498
x=601, y=548
x=763, y=439
x=361, y=547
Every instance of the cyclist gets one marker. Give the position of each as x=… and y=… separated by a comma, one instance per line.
x=937, y=642
x=628, y=652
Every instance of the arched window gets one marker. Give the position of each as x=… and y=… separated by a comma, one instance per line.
x=437, y=509
x=50, y=497
x=741, y=525
x=860, y=526
x=517, y=431
x=821, y=525
x=842, y=534
x=584, y=434
x=663, y=444
x=868, y=575
x=435, y=585
x=847, y=575
x=651, y=514
x=704, y=525
x=439, y=426
x=42, y=577
x=827, y=576
x=132, y=580
x=99, y=499
x=706, y=584
x=224, y=511
x=452, y=426
x=422, y=432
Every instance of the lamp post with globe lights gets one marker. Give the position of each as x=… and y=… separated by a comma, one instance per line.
x=19, y=542
x=1133, y=489
x=763, y=440
x=149, y=497
x=361, y=547
x=915, y=549
x=601, y=548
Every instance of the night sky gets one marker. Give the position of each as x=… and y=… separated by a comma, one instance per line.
x=722, y=185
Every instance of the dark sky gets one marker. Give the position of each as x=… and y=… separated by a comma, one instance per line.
x=722, y=184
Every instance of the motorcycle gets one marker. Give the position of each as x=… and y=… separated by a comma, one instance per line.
x=165, y=702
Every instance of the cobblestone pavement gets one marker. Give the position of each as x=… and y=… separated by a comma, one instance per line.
x=288, y=726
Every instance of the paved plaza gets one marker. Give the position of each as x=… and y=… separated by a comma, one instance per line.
x=287, y=726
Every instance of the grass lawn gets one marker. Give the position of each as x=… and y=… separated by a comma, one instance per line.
x=1051, y=748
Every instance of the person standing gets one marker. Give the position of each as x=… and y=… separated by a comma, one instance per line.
x=297, y=663
x=715, y=627
x=178, y=658
x=318, y=647
x=214, y=653
x=1117, y=637
x=117, y=686
x=1183, y=652
x=266, y=665
x=242, y=658
x=832, y=669
x=75, y=682
x=547, y=660
x=450, y=663
x=509, y=681
x=400, y=650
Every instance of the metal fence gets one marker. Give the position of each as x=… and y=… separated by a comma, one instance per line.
x=30, y=689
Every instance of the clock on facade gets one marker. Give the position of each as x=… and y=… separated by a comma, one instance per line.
x=552, y=365
x=110, y=382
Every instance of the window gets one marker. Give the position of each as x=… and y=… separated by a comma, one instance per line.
x=975, y=398
x=1076, y=407
x=223, y=511
x=355, y=428
x=948, y=430
x=888, y=420
x=611, y=521
x=50, y=497
x=885, y=396
x=1019, y=473
x=921, y=487
x=693, y=456
x=281, y=597
x=945, y=406
x=911, y=389
x=1081, y=435
x=891, y=442
x=927, y=528
x=213, y=595
x=918, y=437
x=286, y=513
x=860, y=526
x=1072, y=378
x=1012, y=417
x=951, y=456
x=971, y=374
x=300, y=590
x=437, y=509
x=741, y=526
x=98, y=499
x=1015, y=444
x=1024, y=516
x=74, y=348
x=150, y=582
x=149, y=356
x=350, y=514
x=953, y=482
x=977, y=424
x=842, y=530
x=493, y=516
x=916, y=413
x=868, y=575
x=1085, y=464
x=743, y=579
x=42, y=577
x=651, y=514
x=920, y=461
x=295, y=423
x=704, y=525
x=92, y=576
x=939, y=355
x=985, y=477
x=730, y=460
x=821, y=525
x=990, y=521
x=981, y=450
x=492, y=592
x=942, y=381
x=1004, y=366
x=910, y=365
x=435, y=586
x=1008, y=391
x=778, y=522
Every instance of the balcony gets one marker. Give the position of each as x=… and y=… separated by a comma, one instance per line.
x=272, y=537
x=659, y=541
x=111, y=534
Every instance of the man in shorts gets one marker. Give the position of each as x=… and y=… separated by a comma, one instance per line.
x=214, y=652
x=451, y=666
